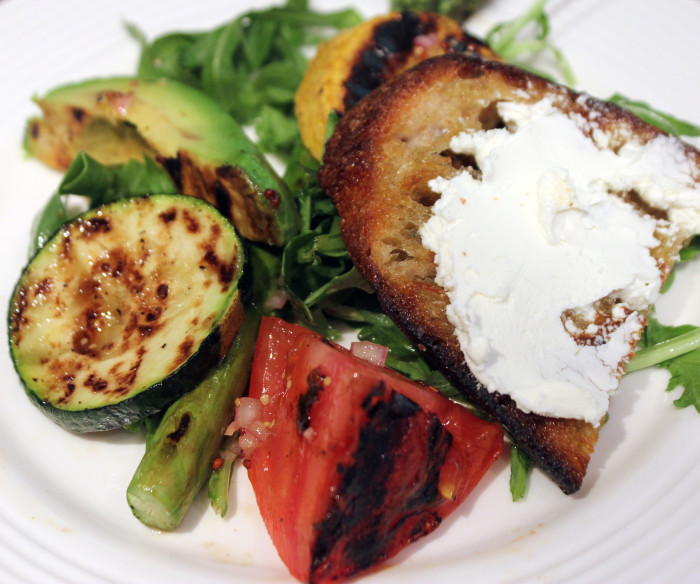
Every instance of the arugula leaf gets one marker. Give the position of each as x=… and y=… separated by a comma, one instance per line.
x=519, y=468
x=676, y=348
x=666, y=122
x=506, y=40
x=252, y=65
x=691, y=251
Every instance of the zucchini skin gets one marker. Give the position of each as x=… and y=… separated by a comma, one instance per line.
x=208, y=348
x=158, y=397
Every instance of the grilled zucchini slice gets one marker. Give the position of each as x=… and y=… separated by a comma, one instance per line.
x=125, y=309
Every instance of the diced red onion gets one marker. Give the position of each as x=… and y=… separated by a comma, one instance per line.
x=276, y=300
x=248, y=410
x=248, y=444
x=259, y=430
x=371, y=352
x=425, y=41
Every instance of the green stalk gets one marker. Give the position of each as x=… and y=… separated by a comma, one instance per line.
x=178, y=459
x=664, y=351
x=503, y=43
x=220, y=480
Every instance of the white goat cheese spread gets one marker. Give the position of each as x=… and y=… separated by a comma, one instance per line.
x=538, y=234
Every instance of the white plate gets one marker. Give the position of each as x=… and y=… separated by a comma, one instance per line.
x=63, y=513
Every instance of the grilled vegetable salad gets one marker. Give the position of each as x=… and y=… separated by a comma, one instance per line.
x=143, y=310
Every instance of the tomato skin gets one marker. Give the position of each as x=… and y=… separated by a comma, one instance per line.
x=360, y=461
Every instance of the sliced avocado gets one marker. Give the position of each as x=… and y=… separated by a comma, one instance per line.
x=201, y=146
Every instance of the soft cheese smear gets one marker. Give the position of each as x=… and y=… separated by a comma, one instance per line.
x=538, y=236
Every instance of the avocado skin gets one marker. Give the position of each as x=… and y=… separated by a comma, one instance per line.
x=203, y=148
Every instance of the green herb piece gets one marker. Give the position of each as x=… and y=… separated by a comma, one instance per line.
x=100, y=184
x=251, y=65
x=50, y=218
x=104, y=184
x=519, y=468
x=676, y=348
x=691, y=251
x=506, y=40
x=219, y=486
x=652, y=116
x=456, y=9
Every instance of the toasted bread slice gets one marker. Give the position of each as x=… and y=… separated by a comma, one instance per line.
x=359, y=59
x=376, y=168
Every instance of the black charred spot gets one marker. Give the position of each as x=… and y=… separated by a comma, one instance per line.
x=306, y=400
x=43, y=287
x=35, y=130
x=113, y=267
x=69, y=388
x=95, y=383
x=168, y=216
x=226, y=172
x=145, y=331
x=96, y=225
x=78, y=114
x=191, y=223
x=83, y=342
x=273, y=197
x=226, y=271
x=184, y=350
x=391, y=43
x=223, y=198
x=176, y=435
x=173, y=166
x=390, y=490
x=154, y=314
x=162, y=291
x=126, y=380
x=211, y=258
x=17, y=316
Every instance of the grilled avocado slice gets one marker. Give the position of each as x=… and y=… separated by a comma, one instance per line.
x=202, y=147
x=125, y=309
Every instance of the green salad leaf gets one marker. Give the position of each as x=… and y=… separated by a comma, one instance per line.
x=519, y=470
x=99, y=184
x=677, y=349
x=666, y=122
x=516, y=41
x=252, y=65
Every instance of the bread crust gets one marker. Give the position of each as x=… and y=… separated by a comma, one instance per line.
x=376, y=168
